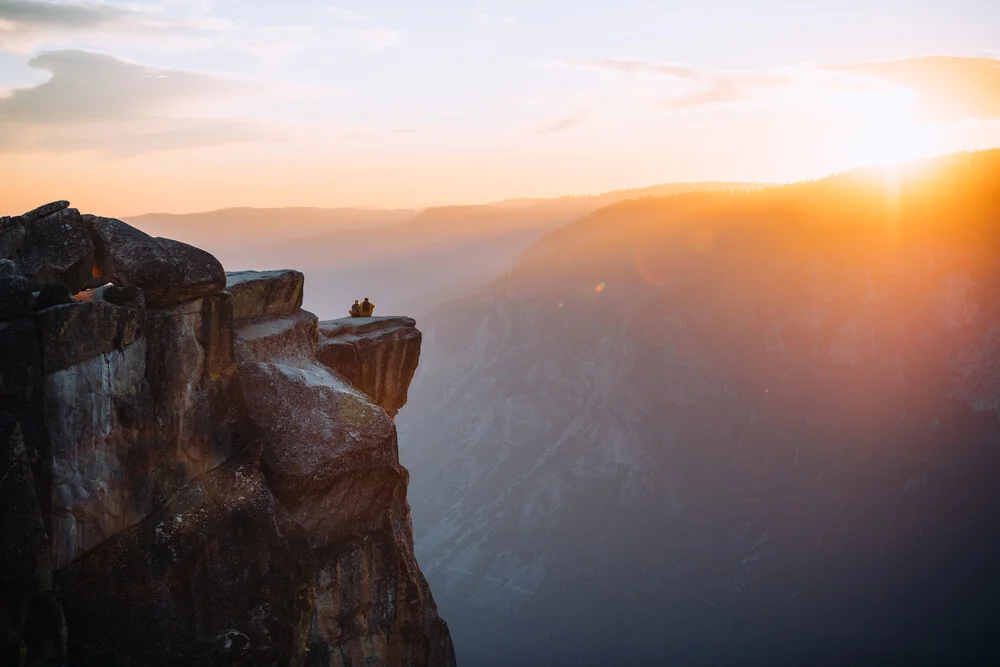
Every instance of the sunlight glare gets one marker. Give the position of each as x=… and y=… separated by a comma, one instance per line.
x=889, y=133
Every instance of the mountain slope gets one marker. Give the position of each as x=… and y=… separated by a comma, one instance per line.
x=244, y=226
x=402, y=259
x=725, y=429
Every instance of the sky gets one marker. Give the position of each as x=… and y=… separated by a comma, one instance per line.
x=188, y=105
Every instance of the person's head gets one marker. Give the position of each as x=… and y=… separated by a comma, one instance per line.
x=366, y=299
x=355, y=301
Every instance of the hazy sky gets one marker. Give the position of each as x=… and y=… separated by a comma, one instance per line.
x=181, y=105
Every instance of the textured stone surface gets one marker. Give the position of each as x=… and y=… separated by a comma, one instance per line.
x=11, y=237
x=373, y=603
x=219, y=575
x=265, y=293
x=23, y=454
x=75, y=332
x=139, y=526
x=15, y=296
x=30, y=617
x=44, y=211
x=149, y=403
x=52, y=294
x=168, y=271
x=132, y=297
x=23, y=537
x=335, y=466
x=57, y=248
x=377, y=355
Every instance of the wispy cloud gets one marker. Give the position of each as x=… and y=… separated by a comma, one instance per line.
x=61, y=14
x=375, y=38
x=562, y=124
x=949, y=87
x=630, y=66
x=131, y=139
x=484, y=15
x=95, y=86
x=702, y=87
x=361, y=30
x=28, y=25
x=96, y=101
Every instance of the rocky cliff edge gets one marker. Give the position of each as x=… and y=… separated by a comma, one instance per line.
x=193, y=469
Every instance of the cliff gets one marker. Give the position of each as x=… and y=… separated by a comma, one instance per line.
x=183, y=480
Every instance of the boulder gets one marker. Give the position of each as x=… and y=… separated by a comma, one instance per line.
x=44, y=211
x=57, y=248
x=130, y=297
x=15, y=296
x=168, y=271
x=265, y=293
x=272, y=338
x=11, y=237
x=376, y=355
x=219, y=575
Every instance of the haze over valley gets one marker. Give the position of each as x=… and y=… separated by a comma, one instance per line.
x=413, y=260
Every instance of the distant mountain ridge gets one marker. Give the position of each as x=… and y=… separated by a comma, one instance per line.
x=251, y=226
x=403, y=259
x=725, y=429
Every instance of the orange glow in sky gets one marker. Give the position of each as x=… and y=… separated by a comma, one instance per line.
x=180, y=106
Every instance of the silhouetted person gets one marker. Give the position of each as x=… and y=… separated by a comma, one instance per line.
x=356, y=309
x=367, y=308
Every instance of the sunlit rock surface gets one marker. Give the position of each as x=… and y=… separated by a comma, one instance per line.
x=335, y=466
x=168, y=271
x=146, y=401
x=377, y=355
x=264, y=293
x=180, y=486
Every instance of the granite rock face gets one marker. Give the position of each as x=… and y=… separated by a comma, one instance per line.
x=336, y=468
x=30, y=618
x=57, y=248
x=168, y=271
x=15, y=296
x=11, y=237
x=220, y=575
x=358, y=618
x=376, y=355
x=143, y=407
x=264, y=293
x=180, y=486
x=45, y=210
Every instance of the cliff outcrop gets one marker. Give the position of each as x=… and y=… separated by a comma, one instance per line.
x=185, y=477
